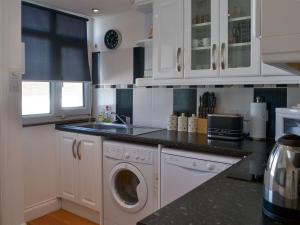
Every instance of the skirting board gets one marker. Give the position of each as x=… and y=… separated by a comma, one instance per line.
x=81, y=211
x=41, y=209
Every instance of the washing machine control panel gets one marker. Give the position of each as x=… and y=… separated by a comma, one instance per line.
x=138, y=155
x=129, y=154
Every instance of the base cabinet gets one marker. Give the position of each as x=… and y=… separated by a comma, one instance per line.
x=80, y=169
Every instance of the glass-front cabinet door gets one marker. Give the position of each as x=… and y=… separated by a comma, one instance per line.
x=239, y=44
x=201, y=38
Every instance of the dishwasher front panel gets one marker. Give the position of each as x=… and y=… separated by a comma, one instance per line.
x=180, y=175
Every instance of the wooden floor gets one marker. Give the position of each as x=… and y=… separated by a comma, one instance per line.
x=60, y=217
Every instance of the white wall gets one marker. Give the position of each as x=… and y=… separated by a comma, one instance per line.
x=119, y=63
x=11, y=158
x=40, y=169
x=131, y=24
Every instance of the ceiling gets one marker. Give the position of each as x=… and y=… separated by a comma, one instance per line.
x=85, y=7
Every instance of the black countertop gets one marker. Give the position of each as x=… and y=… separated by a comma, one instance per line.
x=223, y=200
x=182, y=140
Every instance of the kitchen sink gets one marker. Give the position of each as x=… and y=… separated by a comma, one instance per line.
x=105, y=126
x=118, y=129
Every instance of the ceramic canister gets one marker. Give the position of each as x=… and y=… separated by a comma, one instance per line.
x=172, y=123
x=192, y=124
x=182, y=123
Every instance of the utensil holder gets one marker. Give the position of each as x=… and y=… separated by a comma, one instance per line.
x=202, y=126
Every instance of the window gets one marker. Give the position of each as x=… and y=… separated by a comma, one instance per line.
x=56, y=83
x=35, y=98
x=47, y=101
x=72, y=95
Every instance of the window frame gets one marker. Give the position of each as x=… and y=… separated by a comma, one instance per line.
x=57, y=113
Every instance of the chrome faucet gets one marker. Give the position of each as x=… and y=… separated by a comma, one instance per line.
x=126, y=123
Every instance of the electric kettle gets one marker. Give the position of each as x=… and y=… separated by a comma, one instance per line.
x=282, y=180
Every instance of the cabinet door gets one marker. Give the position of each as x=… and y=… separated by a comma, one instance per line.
x=201, y=38
x=168, y=39
x=89, y=171
x=68, y=166
x=239, y=31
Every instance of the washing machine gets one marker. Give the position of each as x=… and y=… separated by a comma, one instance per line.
x=130, y=182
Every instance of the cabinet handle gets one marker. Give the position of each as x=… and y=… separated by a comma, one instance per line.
x=178, y=66
x=223, y=56
x=78, y=150
x=73, y=148
x=214, y=65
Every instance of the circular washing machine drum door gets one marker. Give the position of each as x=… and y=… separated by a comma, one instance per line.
x=128, y=187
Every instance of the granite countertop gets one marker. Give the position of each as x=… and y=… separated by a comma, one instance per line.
x=182, y=140
x=220, y=201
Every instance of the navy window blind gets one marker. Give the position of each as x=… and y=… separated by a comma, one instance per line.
x=55, y=45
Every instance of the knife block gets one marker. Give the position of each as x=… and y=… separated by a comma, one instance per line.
x=202, y=126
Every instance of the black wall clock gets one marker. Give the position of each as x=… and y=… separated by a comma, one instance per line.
x=112, y=39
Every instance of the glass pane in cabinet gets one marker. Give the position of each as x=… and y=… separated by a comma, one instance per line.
x=239, y=33
x=201, y=34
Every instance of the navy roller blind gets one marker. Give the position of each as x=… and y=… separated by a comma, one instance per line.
x=55, y=45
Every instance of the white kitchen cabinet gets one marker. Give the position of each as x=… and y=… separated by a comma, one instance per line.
x=201, y=38
x=168, y=39
x=221, y=38
x=80, y=169
x=268, y=70
x=68, y=166
x=239, y=38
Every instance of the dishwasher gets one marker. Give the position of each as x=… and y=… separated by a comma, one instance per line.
x=182, y=171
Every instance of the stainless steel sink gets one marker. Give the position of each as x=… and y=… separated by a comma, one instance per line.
x=113, y=128
x=106, y=126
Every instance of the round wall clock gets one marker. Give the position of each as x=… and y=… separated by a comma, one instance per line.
x=112, y=39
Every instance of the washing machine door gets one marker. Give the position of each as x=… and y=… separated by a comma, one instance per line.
x=128, y=187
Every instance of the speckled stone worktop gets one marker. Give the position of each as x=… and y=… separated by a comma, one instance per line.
x=220, y=201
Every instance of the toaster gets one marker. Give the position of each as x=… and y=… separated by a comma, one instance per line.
x=225, y=126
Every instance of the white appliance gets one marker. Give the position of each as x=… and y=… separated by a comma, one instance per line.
x=130, y=182
x=280, y=41
x=287, y=121
x=182, y=171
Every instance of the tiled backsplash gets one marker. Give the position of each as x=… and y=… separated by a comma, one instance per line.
x=152, y=106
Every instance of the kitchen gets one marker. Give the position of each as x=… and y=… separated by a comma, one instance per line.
x=145, y=63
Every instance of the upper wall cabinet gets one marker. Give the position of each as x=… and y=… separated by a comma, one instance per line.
x=209, y=42
x=217, y=38
x=239, y=38
x=168, y=39
x=201, y=38
x=221, y=38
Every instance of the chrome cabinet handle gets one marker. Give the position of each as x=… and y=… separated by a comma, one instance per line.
x=78, y=150
x=223, y=56
x=73, y=148
x=214, y=65
x=178, y=66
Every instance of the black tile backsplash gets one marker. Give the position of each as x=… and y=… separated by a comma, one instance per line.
x=138, y=63
x=275, y=98
x=96, y=68
x=124, y=102
x=185, y=101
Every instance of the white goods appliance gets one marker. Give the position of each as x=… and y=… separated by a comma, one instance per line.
x=287, y=121
x=258, y=120
x=280, y=34
x=182, y=171
x=130, y=182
